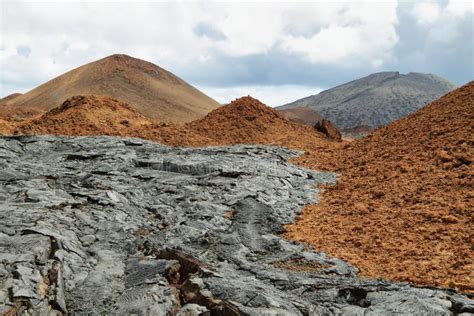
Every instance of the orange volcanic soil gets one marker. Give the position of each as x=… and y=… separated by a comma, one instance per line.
x=403, y=208
x=91, y=115
x=248, y=121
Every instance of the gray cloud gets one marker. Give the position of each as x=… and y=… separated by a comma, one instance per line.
x=273, y=68
x=416, y=51
x=23, y=50
x=207, y=30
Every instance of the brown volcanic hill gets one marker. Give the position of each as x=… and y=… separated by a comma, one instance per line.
x=86, y=115
x=9, y=97
x=404, y=206
x=302, y=114
x=99, y=115
x=248, y=121
x=153, y=91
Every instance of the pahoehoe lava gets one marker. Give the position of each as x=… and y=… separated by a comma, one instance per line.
x=108, y=225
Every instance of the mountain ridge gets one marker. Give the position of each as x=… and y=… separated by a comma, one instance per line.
x=375, y=100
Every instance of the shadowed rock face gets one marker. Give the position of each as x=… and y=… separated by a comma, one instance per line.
x=125, y=226
x=375, y=100
x=326, y=127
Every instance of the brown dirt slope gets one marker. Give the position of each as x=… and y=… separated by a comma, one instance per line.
x=6, y=127
x=404, y=206
x=153, y=91
x=86, y=115
x=302, y=114
x=248, y=121
x=9, y=97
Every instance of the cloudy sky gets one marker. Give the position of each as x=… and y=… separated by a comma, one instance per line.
x=276, y=51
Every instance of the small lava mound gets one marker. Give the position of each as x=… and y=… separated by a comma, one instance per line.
x=86, y=115
x=403, y=207
x=248, y=121
x=100, y=115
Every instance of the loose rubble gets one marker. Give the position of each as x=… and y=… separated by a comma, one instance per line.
x=107, y=225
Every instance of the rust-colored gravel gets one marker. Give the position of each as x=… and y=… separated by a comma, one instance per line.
x=248, y=121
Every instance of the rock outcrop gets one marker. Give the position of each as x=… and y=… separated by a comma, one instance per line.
x=105, y=225
x=328, y=129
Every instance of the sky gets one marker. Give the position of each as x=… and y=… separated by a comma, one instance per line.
x=275, y=51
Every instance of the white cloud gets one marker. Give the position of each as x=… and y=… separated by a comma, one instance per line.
x=442, y=22
x=460, y=8
x=355, y=32
x=62, y=35
x=269, y=95
x=426, y=12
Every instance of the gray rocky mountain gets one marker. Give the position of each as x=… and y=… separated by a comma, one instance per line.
x=116, y=226
x=375, y=100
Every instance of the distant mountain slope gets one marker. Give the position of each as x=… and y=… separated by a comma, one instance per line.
x=375, y=100
x=153, y=91
x=9, y=97
x=303, y=115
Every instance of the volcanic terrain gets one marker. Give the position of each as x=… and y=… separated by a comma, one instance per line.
x=402, y=208
x=108, y=225
x=151, y=90
x=98, y=115
x=86, y=115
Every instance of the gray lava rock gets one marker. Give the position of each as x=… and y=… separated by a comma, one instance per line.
x=105, y=225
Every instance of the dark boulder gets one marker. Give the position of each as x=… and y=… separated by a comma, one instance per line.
x=327, y=128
